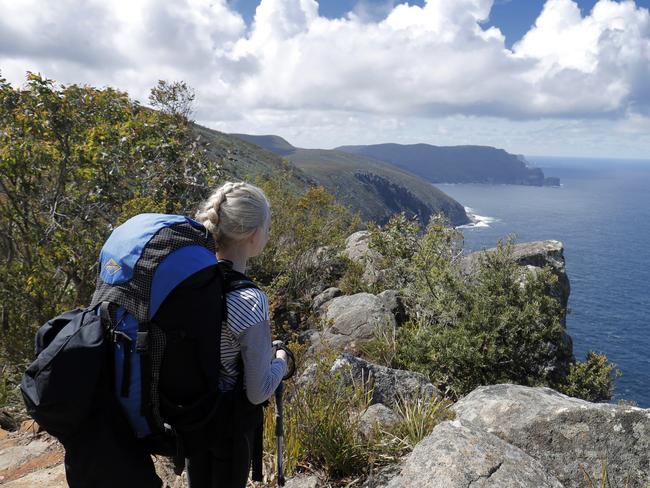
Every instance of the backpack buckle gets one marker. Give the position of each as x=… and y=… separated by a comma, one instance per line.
x=142, y=342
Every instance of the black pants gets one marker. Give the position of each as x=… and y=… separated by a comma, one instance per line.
x=226, y=465
x=105, y=454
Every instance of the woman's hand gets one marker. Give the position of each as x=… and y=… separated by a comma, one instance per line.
x=280, y=354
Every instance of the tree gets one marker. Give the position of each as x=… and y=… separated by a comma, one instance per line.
x=74, y=162
x=173, y=98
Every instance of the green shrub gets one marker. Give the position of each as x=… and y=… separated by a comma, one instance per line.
x=383, y=347
x=352, y=280
x=74, y=162
x=290, y=266
x=500, y=324
x=591, y=380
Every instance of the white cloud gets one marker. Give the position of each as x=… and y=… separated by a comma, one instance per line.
x=293, y=68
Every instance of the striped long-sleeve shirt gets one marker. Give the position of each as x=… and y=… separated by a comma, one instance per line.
x=247, y=332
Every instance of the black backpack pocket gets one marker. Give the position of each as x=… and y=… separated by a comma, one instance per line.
x=60, y=385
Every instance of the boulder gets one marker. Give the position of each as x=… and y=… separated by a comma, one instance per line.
x=377, y=415
x=388, y=384
x=393, y=302
x=351, y=321
x=324, y=297
x=303, y=481
x=25, y=458
x=51, y=477
x=565, y=434
x=320, y=267
x=357, y=248
x=458, y=454
x=8, y=421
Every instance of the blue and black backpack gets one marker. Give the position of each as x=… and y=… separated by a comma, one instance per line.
x=151, y=336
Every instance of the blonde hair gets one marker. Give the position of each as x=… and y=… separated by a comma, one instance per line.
x=233, y=212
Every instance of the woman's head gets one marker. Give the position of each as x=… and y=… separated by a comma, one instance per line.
x=234, y=212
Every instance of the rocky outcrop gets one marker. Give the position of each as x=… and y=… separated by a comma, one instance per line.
x=516, y=436
x=388, y=384
x=457, y=454
x=303, y=481
x=357, y=248
x=393, y=302
x=350, y=321
x=323, y=298
x=565, y=434
x=30, y=460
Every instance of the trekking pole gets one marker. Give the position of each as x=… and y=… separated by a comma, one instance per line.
x=279, y=432
x=279, y=425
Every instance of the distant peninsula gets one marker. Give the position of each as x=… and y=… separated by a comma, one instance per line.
x=375, y=188
x=457, y=164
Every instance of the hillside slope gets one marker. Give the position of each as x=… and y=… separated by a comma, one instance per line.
x=241, y=160
x=456, y=164
x=375, y=188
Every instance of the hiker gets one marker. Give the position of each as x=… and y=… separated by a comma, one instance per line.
x=239, y=217
x=172, y=357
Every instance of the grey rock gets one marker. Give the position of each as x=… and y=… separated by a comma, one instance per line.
x=381, y=477
x=357, y=248
x=321, y=299
x=565, y=433
x=377, y=415
x=388, y=384
x=458, y=454
x=351, y=321
x=303, y=481
x=393, y=302
x=320, y=267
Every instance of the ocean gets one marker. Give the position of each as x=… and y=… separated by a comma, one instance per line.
x=601, y=213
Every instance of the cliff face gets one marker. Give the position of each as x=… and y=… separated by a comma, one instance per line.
x=457, y=164
x=398, y=198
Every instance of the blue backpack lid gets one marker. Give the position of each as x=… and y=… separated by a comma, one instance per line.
x=145, y=258
x=124, y=247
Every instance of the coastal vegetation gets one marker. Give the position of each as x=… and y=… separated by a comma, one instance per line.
x=75, y=161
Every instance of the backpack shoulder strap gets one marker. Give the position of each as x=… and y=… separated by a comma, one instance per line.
x=234, y=280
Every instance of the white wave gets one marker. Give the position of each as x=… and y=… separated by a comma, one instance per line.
x=477, y=220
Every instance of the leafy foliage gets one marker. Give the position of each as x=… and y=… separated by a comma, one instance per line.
x=291, y=265
x=591, y=379
x=500, y=324
x=74, y=161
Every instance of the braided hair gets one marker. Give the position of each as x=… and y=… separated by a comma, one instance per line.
x=233, y=212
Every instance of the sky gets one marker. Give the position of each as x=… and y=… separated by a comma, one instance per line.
x=535, y=77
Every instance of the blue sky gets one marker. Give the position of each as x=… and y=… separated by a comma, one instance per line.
x=538, y=77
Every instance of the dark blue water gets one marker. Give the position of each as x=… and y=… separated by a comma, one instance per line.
x=602, y=215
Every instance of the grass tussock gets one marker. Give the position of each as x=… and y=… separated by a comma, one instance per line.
x=322, y=420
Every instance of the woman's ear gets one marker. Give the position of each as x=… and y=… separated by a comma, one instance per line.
x=255, y=235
